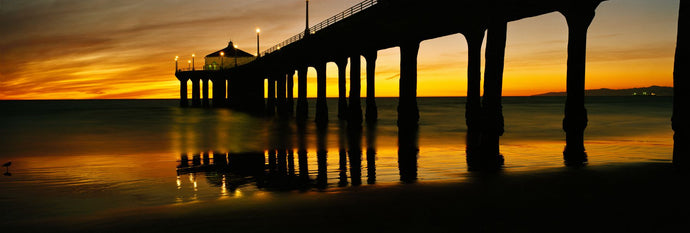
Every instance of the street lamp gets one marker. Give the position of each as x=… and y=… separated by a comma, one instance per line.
x=258, y=31
x=189, y=64
x=222, y=54
x=193, y=62
x=176, y=58
x=235, y=55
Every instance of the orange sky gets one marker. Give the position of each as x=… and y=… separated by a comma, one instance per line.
x=74, y=49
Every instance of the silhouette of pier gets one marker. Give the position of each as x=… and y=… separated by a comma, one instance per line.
x=374, y=25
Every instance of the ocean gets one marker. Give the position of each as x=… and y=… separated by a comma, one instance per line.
x=80, y=157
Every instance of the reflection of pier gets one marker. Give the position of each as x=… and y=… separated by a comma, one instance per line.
x=380, y=24
x=279, y=169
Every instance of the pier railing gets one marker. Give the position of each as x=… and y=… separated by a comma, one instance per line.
x=323, y=24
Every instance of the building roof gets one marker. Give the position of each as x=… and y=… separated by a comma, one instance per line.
x=229, y=52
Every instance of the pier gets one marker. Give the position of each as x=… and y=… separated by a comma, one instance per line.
x=373, y=25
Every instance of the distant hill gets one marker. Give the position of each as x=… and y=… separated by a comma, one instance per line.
x=639, y=91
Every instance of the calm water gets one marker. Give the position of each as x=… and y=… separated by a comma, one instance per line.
x=72, y=158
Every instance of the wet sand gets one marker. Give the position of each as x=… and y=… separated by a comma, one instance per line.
x=643, y=197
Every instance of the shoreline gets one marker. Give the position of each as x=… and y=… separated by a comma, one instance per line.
x=615, y=197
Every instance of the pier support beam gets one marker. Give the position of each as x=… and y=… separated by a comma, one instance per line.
x=184, y=102
x=321, y=105
x=355, y=107
x=196, y=96
x=281, y=92
x=290, y=94
x=204, y=91
x=578, y=17
x=680, y=122
x=271, y=102
x=492, y=112
x=473, y=108
x=342, y=98
x=408, y=112
x=371, y=111
x=302, y=106
x=219, y=99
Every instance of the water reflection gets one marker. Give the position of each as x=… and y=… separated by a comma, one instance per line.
x=371, y=152
x=408, y=150
x=279, y=169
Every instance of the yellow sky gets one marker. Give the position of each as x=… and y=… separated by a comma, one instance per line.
x=75, y=49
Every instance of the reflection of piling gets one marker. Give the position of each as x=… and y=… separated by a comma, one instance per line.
x=302, y=150
x=291, y=162
x=184, y=160
x=196, y=159
x=220, y=160
x=371, y=152
x=354, y=133
x=249, y=163
x=206, y=158
x=272, y=166
x=321, y=156
x=342, y=154
x=282, y=162
x=408, y=150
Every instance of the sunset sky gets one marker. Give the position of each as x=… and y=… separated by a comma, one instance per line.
x=115, y=49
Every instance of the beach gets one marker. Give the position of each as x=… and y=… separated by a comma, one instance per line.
x=150, y=166
x=644, y=197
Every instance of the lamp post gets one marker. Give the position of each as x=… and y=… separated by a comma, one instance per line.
x=176, y=58
x=306, y=29
x=258, y=53
x=235, y=55
x=189, y=64
x=222, y=54
x=193, y=62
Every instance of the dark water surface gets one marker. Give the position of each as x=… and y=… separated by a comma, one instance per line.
x=73, y=158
